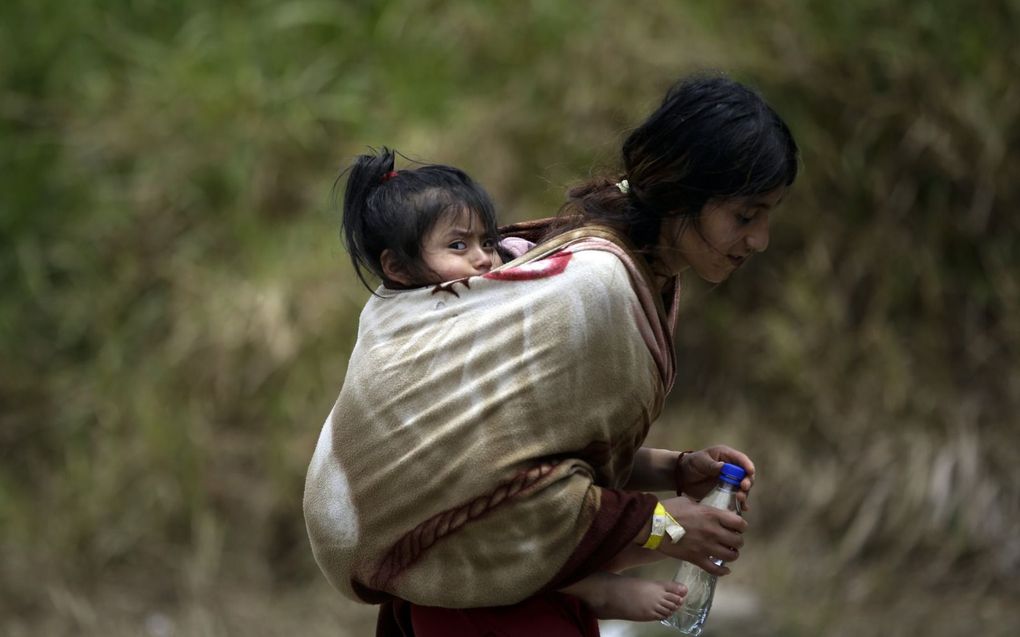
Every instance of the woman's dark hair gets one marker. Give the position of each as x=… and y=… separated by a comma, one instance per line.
x=710, y=138
x=387, y=209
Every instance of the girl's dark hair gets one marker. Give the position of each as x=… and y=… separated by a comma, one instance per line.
x=387, y=209
x=710, y=138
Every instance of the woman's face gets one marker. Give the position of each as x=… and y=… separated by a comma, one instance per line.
x=730, y=232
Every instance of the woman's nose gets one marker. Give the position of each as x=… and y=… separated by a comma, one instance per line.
x=758, y=239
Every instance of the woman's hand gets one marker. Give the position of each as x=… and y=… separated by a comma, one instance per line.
x=698, y=472
x=711, y=533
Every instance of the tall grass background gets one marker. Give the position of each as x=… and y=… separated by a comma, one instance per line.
x=176, y=311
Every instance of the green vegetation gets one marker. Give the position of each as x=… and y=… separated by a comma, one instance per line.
x=177, y=310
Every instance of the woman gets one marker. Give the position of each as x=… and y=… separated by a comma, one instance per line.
x=532, y=479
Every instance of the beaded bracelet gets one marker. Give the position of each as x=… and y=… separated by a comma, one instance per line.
x=678, y=473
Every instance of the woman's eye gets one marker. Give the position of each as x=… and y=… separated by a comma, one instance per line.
x=457, y=245
x=745, y=218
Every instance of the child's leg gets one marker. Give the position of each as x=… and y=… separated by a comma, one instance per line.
x=614, y=596
x=631, y=557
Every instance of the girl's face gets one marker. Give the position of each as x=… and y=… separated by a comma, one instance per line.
x=459, y=246
x=731, y=231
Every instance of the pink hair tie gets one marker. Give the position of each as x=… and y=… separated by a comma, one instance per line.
x=388, y=176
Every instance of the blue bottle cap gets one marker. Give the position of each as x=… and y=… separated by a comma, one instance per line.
x=732, y=474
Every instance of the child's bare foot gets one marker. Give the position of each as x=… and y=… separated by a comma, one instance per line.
x=614, y=596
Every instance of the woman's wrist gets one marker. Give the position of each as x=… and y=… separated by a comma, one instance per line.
x=653, y=470
x=678, y=471
x=664, y=528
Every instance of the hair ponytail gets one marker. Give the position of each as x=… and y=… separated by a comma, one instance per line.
x=601, y=200
x=364, y=177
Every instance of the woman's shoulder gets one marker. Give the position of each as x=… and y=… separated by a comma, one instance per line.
x=592, y=262
x=596, y=258
x=603, y=269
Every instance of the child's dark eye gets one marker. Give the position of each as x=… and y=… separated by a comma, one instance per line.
x=489, y=244
x=457, y=245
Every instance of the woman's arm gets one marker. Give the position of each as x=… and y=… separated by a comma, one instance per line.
x=692, y=473
x=654, y=470
x=710, y=532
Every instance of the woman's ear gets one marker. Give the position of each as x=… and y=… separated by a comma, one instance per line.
x=393, y=269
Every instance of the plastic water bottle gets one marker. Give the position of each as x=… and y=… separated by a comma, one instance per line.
x=691, y=616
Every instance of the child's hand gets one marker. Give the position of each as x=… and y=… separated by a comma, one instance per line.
x=699, y=470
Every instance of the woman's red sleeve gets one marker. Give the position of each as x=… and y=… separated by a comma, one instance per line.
x=620, y=517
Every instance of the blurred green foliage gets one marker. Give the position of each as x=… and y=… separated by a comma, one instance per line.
x=176, y=311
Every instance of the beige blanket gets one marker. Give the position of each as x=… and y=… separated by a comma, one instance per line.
x=461, y=465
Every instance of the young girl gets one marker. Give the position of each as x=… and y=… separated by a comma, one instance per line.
x=419, y=226
x=433, y=224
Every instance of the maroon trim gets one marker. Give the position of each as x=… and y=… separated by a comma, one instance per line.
x=369, y=595
x=553, y=614
x=394, y=619
x=620, y=517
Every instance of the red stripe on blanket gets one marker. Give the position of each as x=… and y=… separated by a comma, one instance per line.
x=542, y=269
x=412, y=545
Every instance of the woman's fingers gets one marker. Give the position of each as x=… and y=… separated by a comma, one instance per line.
x=730, y=540
x=725, y=553
x=704, y=464
x=742, y=501
x=732, y=522
x=707, y=564
x=711, y=534
x=700, y=519
x=724, y=545
x=729, y=454
x=703, y=556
